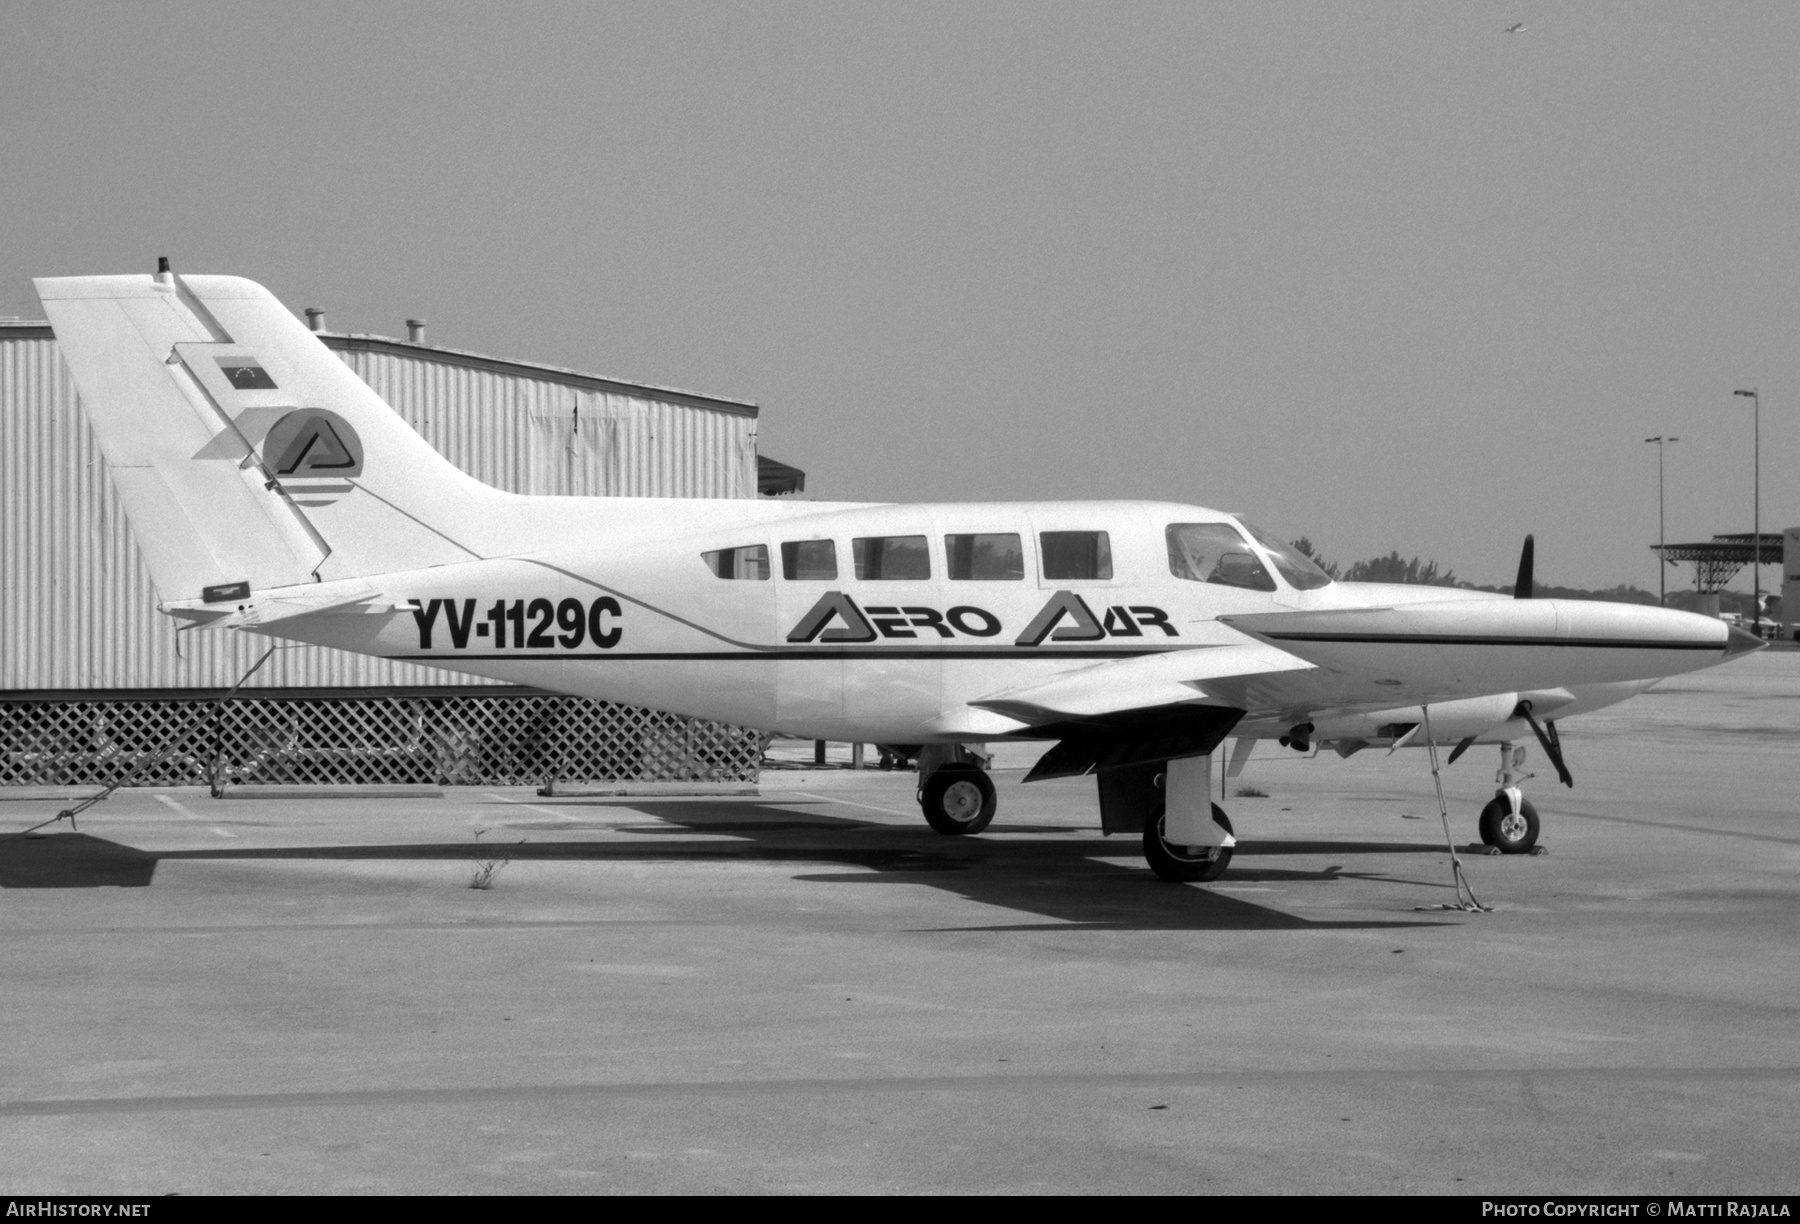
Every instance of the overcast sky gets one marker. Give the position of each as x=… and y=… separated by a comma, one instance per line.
x=1381, y=274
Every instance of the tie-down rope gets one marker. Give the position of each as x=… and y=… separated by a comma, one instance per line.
x=1465, y=895
x=210, y=710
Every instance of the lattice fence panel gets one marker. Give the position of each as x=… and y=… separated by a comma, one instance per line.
x=484, y=740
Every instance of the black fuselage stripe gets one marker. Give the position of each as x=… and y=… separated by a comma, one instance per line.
x=1470, y=639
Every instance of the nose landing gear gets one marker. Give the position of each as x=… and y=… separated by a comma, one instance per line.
x=1509, y=823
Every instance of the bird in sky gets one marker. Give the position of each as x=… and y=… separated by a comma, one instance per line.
x=1518, y=27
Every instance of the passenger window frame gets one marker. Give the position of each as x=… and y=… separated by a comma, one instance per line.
x=858, y=564
x=790, y=560
x=1045, y=577
x=950, y=554
x=736, y=564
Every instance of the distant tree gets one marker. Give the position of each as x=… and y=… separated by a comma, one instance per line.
x=1395, y=568
x=1622, y=593
x=1305, y=548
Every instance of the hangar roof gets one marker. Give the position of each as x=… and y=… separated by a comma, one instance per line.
x=345, y=342
x=369, y=343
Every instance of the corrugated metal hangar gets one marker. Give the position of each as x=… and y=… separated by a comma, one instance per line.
x=94, y=680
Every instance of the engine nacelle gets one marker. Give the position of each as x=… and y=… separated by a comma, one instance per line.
x=1451, y=721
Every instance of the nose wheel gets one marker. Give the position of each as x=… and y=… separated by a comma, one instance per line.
x=1509, y=823
x=1508, y=830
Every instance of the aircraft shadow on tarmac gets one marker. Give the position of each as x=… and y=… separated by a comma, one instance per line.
x=1062, y=879
x=73, y=860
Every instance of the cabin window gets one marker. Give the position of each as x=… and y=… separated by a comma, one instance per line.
x=1215, y=552
x=985, y=558
x=1076, y=554
x=891, y=558
x=750, y=561
x=809, y=561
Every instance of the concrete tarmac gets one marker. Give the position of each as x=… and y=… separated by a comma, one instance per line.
x=808, y=991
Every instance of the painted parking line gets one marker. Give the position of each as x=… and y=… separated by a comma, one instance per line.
x=177, y=807
x=181, y=810
x=851, y=803
x=532, y=807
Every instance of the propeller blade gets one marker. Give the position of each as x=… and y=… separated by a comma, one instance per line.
x=1522, y=588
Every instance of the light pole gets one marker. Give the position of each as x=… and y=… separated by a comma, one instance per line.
x=1756, y=511
x=1662, y=566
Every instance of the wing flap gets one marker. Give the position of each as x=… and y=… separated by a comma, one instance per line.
x=1132, y=711
x=1134, y=737
x=1174, y=678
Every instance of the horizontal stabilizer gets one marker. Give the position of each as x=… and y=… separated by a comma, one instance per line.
x=270, y=607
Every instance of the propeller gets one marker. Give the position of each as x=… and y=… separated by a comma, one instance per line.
x=1522, y=588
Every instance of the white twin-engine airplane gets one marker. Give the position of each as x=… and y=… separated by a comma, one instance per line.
x=272, y=491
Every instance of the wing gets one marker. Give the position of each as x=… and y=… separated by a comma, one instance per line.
x=1155, y=707
x=1294, y=667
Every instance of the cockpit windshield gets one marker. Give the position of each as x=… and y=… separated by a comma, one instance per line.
x=1216, y=553
x=1294, y=566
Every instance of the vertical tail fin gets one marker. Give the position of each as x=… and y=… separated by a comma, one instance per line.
x=243, y=450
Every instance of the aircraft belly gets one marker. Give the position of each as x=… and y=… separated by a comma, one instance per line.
x=721, y=691
x=809, y=694
x=894, y=700
x=897, y=693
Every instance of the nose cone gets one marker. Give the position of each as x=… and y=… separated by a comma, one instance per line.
x=1738, y=642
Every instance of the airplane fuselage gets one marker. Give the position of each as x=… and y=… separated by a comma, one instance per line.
x=883, y=623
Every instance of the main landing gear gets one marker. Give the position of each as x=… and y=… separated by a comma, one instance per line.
x=1187, y=838
x=1184, y=864
x=955, y=792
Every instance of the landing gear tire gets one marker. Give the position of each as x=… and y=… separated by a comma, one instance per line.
x=1506, y=832
x=1177, y=864
x=958, y=800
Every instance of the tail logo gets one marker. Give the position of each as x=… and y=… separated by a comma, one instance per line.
x=313, y=442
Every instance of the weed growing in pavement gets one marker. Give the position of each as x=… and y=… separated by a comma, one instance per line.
x=482, y=877
x=1250, y=792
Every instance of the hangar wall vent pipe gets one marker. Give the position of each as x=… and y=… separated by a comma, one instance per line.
x=415, y=330
x=315, y=318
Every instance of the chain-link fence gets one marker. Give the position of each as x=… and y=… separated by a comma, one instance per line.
x=489, y=740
